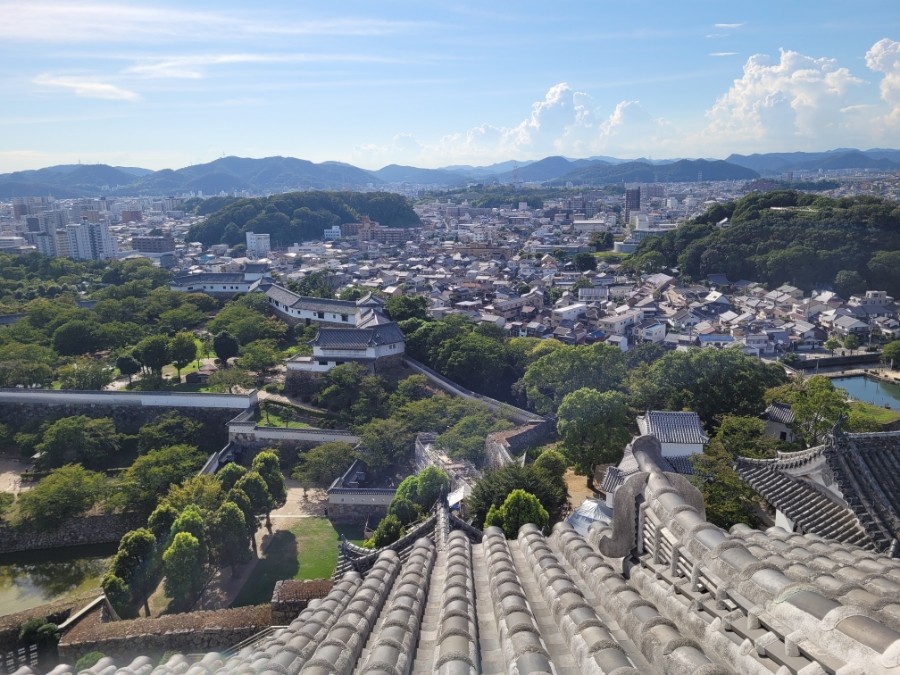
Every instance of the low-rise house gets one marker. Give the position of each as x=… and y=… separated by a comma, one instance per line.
x=650, y=330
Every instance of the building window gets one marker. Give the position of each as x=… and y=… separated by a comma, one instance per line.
x=344, y=317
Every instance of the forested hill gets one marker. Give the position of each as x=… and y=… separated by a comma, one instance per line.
x=301, y=216
x=810, y=241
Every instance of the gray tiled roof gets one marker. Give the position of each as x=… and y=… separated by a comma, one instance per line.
x=657, y=590
x=357, y=338
x=673, y=427
x=866, y=471
x=780, y=412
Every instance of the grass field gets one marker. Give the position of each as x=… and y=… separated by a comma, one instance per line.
x=875, y=413
x=308, y=550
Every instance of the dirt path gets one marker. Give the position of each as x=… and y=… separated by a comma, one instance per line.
x=11, y=470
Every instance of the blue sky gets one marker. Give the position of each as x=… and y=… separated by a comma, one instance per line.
x=163, y=84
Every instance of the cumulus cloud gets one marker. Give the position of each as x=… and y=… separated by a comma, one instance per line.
x=884, y=57
x=86, y=87
x=786, y=102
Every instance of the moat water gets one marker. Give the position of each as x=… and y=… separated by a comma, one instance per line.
x=31, y=579
x=862, y=388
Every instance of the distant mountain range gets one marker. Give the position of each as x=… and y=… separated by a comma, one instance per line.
x=271, y=175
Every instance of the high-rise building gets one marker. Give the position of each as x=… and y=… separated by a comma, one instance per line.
x=632, y=201
x=90, y=241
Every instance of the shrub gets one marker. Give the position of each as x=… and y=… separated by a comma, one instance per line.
x=88, y=660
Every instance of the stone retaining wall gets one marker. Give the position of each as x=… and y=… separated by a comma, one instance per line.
x=191, y=633
x=356, y=513
x=504, y=447
x=85, y=530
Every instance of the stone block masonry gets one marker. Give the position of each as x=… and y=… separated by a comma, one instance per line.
x=190, y=633
x=100, y=529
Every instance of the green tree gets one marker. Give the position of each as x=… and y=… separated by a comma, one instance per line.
x=240, y=499
x=202, y=491
x=551, y=462
x=64, y=493
x=134, y=564
x=153, y=353
x=183, y=566
x=182, y=351
x=320, y=466
x=584, y=262
x=253, y=485
x=341, y=387
x=85, y=374
x=816, y=403
x=128, y=365
x=891, y=354
x=230, y=380
x=230, y=474
x=169, y=428
x=551, y=377
x=831, y=344
x=268, y=466
x=75, y=337
x=259, y=357
x=402, y=307
x=594, y=427
x=849, y=282
x=151, y=475
x=386, y=442
x=193, y=521
x=231, y=542
x=404, y=510
x=711, y=382
x=160, y=522
x=388, y=531
x=495, y=486
x=226, y=346
x=727, y=498
x=851, y=342
x=78, y=439
x=518, y=509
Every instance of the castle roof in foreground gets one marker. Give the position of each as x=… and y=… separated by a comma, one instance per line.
x=658, y=590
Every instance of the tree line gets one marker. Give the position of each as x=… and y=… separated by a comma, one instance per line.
x=300, y=216
x=809, y=241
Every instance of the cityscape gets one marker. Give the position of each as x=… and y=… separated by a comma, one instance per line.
x=449, y=338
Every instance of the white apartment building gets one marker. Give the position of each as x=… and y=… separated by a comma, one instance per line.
x=258, y=245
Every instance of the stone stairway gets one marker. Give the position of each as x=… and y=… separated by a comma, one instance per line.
x=553, y=639
x=488, y=639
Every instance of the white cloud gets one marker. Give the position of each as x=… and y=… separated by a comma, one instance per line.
x=723, y=54
x=195, y=66
x=86, y=87
x=727, y=26
x=884, y=57
x=794, y=101
x=119, y=22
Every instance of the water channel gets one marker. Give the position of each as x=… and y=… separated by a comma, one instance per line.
x=862, y=388
x=34, y=578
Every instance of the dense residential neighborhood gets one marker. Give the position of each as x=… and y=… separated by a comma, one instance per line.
x=450, y=390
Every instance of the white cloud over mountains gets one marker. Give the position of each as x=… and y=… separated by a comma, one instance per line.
x=792, y=102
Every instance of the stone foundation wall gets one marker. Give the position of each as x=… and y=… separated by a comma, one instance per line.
x=127, y=418
x=502, y=447
x=356, y=513
x=100, y=529
x=191, y=633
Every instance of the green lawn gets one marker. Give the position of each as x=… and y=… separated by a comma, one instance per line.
x=270, y=417
x=875, y=413
x=307, y=551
